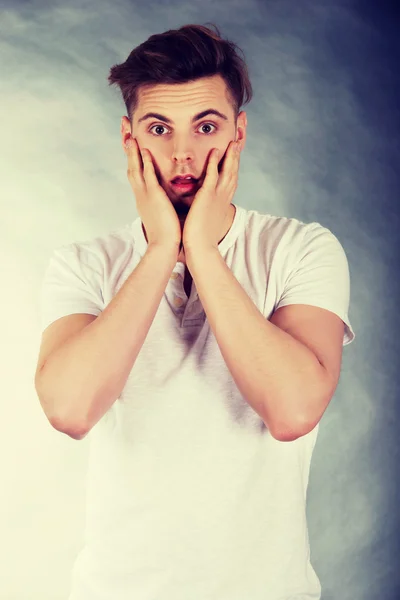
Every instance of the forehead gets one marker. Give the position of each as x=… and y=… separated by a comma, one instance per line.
x=187, y=97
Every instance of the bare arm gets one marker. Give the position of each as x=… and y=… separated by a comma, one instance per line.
x=81, y=379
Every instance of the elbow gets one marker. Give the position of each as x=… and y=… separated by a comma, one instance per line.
x=290, y=428
x=286, y=435
x=71, y=427
x=290, y=431
x=75, y=431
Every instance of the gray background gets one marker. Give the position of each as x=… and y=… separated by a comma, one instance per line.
x=323, y=145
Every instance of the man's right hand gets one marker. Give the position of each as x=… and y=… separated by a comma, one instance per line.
x=153, y=205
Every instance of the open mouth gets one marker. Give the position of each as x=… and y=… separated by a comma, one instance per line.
x=184, y=184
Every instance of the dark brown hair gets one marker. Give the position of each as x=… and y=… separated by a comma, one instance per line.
x=179, y=56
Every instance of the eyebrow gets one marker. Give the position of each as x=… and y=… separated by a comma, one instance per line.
x=204, y=113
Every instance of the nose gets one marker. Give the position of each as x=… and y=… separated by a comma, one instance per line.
x=182, y=156
x=181, y=151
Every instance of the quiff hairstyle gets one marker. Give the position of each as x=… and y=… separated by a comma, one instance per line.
x=180, y=56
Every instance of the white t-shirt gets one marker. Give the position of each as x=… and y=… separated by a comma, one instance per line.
x=189, y=496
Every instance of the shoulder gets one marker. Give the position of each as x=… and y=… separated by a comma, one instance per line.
x=97, y=253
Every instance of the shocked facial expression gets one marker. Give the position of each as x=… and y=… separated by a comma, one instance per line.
x=180, y=124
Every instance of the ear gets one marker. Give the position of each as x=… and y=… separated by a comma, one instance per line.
x=241, y=127
x=125, y=130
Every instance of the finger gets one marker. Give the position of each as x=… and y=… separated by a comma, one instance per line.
x=236, y=162
x=149, y=173
x=212, y=174
x=238, y=152
x=235, y=154
x=231, y=156
x=134, y=162
x=230, y=166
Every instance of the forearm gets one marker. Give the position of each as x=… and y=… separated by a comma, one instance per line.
x=84, y=377
x=276, y=374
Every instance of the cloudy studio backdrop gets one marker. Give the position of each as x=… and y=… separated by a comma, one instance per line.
x=322, y=146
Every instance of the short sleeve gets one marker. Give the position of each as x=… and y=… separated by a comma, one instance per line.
x=320, y=276
x=71, y=285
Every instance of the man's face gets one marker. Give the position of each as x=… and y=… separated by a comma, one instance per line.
x=182, y=146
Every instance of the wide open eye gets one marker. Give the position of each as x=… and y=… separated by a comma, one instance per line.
x=160, y=126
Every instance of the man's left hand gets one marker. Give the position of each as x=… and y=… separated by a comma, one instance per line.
x=204, y=223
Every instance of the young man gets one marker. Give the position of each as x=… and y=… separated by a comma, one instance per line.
x=200, y=346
